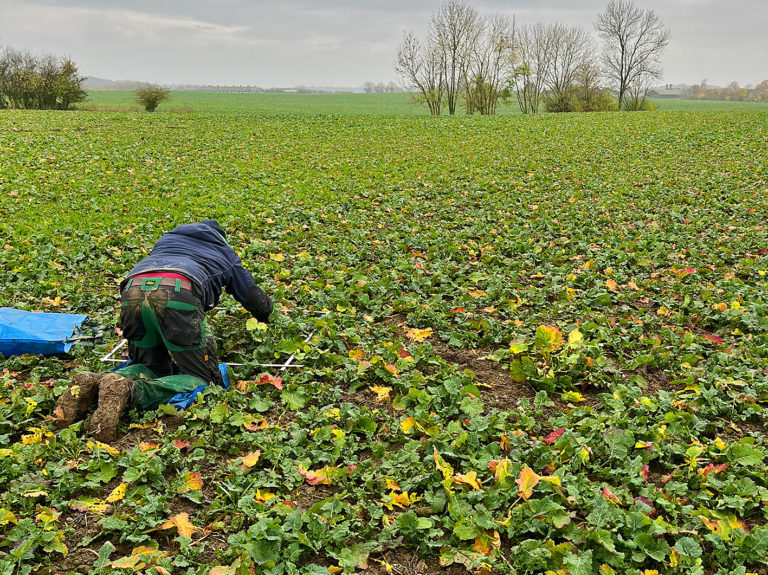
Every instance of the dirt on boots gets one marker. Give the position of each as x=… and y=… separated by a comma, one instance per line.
x=115, y=397
x=75, y=401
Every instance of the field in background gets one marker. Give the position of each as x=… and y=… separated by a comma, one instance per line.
x=332, y=104
x=547, y=350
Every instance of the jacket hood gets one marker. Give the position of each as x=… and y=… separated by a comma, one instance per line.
x=201, y=231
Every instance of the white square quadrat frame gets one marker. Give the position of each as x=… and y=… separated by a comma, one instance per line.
x=109, y=357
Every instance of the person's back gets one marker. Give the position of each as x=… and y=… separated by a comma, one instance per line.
x=162, y=315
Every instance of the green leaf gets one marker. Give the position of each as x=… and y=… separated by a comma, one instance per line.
x=745, y=454
x=688, y=547
x=579, y=564
x=656, y=548
x=466, y=531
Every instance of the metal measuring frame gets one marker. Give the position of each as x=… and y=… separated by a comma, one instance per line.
x=283, y=366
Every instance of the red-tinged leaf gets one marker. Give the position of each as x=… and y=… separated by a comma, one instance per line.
x=266, y=378
x=652, y=512
x=713, y=338
x=403, y=353
x=320, y=477
x=610, y=496
x=193, y=481
x=712, y=468
x=554, y=436
x=644, y=472
x=458, y=310
x=181, y=444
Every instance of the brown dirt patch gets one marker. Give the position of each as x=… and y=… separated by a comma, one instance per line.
x=407, y=562
x=657, y=380
x=306, y=495
x=497, y=388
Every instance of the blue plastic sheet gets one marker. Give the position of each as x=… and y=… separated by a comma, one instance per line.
x=184, y=400
x=40, y=333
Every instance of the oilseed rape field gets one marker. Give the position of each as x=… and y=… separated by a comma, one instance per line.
x=545, y=347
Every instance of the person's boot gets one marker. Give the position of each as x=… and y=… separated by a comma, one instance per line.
x=115, y=397
x=74, y=402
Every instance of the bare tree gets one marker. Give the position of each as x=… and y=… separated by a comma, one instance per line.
x=534, y=52
x=570, y=50
x=454, y=30
x=420, y=65
x=634, y=42
x=491, y=64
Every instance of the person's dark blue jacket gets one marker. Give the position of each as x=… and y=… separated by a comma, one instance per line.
x=201, y=253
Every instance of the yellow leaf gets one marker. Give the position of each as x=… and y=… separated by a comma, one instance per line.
x=263, y=496
x=548, y=338
x=193, y=481
x=277, y=257
x=117, y=494
x=356, y=354
x=419, y=334
x=335, y=569
x=182, y=523
x=469, y=479
x=407, y=424
x=721, y=307
x=441, y=465
x=612, y=285
x=573, y=396
x=382, y=393
x=575, y=338
x=7, y=517
x=527, y=480
x=392, y=485
x=103, y=446
x=250, y=459
x=476, y=293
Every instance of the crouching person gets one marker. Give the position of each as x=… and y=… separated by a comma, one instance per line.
x=171, y=348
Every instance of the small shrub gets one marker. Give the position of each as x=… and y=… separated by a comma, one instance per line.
x=151, y=95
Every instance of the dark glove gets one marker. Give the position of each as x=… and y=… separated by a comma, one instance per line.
x=259, y=304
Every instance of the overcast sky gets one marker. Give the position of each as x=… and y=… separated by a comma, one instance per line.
x=344, y=43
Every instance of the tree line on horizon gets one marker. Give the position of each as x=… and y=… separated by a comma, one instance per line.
x=44, y=82
x=731, y=93
x=480, y=60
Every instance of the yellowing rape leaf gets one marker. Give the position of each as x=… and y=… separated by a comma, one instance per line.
x=382, y=393
x=263, y=496
x=117, y=494
x=277, y=257
x=575, y=338
x=419, y=334
x=441, y=465
x=250, y=459
x=7, y=517
x=612, y=285
x=182, y=523
x=392, y=485
x=527, y=480
x=356, y=354
x=193, y=481
x=103, y=446
x=721, y=306
x=401, y=500
x=407, y=424
x=469, y=479
x=548, y=338
x=476, y=293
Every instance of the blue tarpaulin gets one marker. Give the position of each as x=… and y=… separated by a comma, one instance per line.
x=40, y=333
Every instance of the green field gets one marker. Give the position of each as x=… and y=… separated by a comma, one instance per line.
x=547, y=350
x=333, y=104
